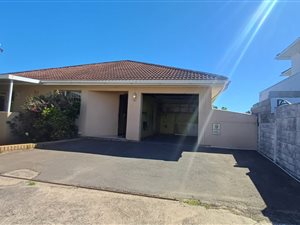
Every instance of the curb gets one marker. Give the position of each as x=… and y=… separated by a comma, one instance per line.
x=111, y=190
x=30, y=146
x=10, y=148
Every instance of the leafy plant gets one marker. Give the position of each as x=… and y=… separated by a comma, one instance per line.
x=47, y=117
x=196, y=202
x=193, y=202
x=222, y=108
x=31, y=183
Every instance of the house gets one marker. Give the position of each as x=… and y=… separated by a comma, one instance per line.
x=288, y=88
x=135, y=100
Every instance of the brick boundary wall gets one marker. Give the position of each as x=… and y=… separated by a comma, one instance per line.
x=279, y=135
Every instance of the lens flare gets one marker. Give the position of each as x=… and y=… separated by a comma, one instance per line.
x=241, y=44
x=235, y=54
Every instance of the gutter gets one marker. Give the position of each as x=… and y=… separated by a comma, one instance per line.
x=226, y=84
x=136, y=82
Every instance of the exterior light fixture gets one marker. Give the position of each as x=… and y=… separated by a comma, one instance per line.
x=134, y=96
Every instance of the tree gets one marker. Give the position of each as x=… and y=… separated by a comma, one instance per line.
x=222, y=108
x=47, y=117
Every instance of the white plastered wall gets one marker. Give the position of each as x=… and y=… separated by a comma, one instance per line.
x=288, y=84
x=99, y=114
x=237, y=130
x=100, y=108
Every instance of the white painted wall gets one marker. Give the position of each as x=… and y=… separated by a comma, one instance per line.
x=99, y=113
x=204, y=112
x=100, y=109
x=91, y=119
x=291, y=83
x=134, y=114
x=238, y=130
x=296, y=63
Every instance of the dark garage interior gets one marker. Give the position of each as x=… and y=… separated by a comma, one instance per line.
x=169, y=116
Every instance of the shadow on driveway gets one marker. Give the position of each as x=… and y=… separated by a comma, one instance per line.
x=280, y=192
x=166, y=151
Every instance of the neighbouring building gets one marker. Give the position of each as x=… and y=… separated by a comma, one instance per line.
x=135, y=100
x=278, y=113
x=289, y=87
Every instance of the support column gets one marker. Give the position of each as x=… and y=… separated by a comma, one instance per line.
x=134, y=111
x=204, y=114
x=83, y=117
x=10, y=92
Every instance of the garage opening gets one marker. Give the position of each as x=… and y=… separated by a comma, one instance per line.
x=169, y=117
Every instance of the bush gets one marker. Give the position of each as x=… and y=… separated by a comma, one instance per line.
x=46, y=118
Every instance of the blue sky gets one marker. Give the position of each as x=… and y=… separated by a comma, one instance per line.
x=204, y=35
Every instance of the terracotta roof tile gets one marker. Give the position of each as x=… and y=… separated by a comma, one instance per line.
x=118, y=70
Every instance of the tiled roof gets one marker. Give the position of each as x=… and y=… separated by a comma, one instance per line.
x=118, y=70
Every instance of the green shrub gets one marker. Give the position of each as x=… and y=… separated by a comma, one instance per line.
x=46, y=118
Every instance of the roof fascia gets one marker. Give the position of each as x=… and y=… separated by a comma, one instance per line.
x=18, y=78
x=136, y=82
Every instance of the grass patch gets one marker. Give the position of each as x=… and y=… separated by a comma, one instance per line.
x=31, y=183
x=195, y=202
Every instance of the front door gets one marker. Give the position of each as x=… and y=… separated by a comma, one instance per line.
x=123, y=103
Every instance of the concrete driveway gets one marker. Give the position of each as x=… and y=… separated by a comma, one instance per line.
x=236, y=179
